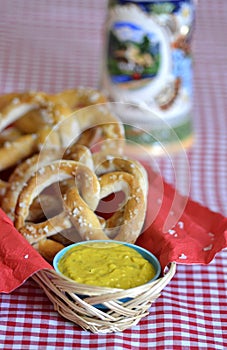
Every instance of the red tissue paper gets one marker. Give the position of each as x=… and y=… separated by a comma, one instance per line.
x=18, y=259
x=178, y=229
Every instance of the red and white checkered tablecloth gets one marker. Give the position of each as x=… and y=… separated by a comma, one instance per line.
x=57, y=44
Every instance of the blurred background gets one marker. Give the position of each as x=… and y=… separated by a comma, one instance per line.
x=49, y=45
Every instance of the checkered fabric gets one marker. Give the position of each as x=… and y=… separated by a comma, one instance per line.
x=57, y=44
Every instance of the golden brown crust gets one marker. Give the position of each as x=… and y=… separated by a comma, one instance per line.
x=48, y=248
x=44, y=177
x=13, y=152
x=79, y=98
x=30, y=132
x=126, y=224
x=134, y=209
x=80, y=197
x=19, y=177
x=51, y=121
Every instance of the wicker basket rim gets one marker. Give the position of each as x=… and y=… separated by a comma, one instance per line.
x=85, y=289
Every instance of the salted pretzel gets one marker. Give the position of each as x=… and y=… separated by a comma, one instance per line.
x=87, y=223
x=105, y=164
x=57, y=171
x=81, y=199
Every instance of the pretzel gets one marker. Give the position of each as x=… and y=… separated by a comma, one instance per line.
x=44, y=177
x=41, y=112
x=135, y=206
x=14, y=109
x=85, y=220
x=79, y=203
x=106, y=164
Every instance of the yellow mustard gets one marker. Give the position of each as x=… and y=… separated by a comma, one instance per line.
x=106, y=264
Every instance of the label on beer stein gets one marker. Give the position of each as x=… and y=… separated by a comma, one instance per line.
x=148, y=68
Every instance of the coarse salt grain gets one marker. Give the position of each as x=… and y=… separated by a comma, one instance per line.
x=41, y=171
x=75, y=211
x=211, y=235
x=94, y=97
x=183, y=256
x=7, y=144
x=46, y=229
x=180, y=224
x=22, y=205
x=209, y=247
x=15, y=100
x=171, y=231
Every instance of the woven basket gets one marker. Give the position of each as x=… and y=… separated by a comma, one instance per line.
x=99, y=309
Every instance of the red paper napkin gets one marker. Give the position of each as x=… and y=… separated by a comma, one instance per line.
x=18, y=260
x=176, y=229
x=179, y=229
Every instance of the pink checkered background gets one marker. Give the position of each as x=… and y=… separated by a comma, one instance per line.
x=57, y=44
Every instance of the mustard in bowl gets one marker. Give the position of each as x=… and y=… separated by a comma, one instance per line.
x=107, y=263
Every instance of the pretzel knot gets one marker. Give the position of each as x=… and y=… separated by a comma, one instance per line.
x=57, y=171
x=80, y=201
